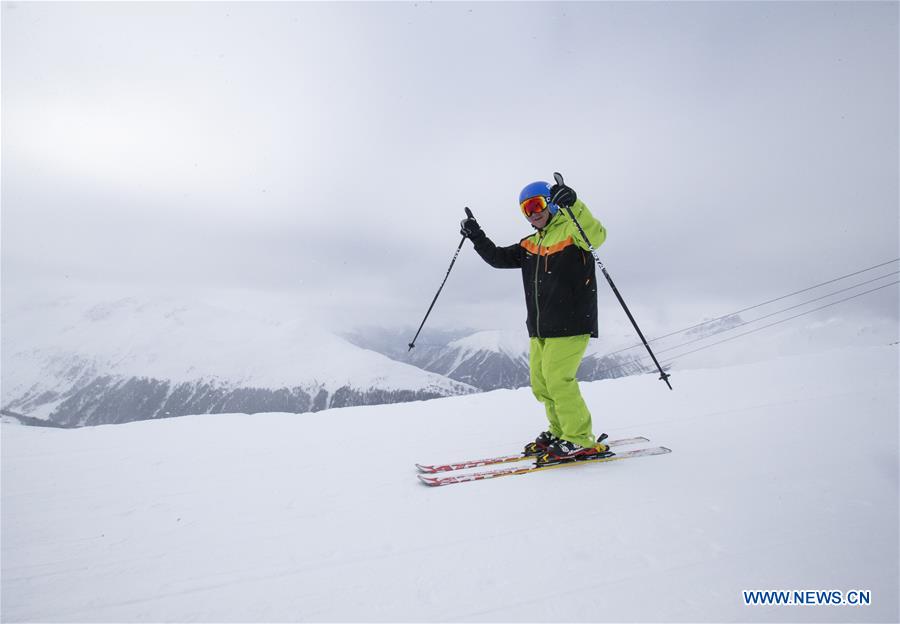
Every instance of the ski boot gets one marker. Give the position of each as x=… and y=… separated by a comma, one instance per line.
x=562, y=451
x=540, y=445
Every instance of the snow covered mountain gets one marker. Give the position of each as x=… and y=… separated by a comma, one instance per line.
x=782, y=476
x=487, y=359
x=79, y=364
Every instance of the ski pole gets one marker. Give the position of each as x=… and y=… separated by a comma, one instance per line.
x=664, y=376
x=413, y=343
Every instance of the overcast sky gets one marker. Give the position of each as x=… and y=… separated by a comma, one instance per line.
x=322, y=153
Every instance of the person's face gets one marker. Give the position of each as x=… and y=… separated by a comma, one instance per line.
x=539, y=219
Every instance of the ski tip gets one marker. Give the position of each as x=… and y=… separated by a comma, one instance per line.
x=429, y=481
x=425, y=469
x=666, y=449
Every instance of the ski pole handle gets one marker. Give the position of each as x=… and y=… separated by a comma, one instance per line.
x=559, y=180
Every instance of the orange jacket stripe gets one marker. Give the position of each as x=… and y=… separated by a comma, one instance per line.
x=532, y=247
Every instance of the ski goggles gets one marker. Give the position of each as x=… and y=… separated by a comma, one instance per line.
x=534, y=205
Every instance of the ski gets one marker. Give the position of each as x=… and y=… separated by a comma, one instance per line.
x=508, y=472
x=506, y=459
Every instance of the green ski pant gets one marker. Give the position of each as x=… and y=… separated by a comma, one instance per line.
x=553, y=363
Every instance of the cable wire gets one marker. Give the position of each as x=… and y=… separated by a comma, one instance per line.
x=637, y=360
x=759, y=305
x=827, y=305
x=771, y=314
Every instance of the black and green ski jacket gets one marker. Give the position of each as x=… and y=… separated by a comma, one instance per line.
x=557, y=272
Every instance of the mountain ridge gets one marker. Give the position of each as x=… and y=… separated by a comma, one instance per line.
x=87, y=363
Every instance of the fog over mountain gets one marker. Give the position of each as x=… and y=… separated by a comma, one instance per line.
x=77, y=363
x=75, y=360
x=486, y=359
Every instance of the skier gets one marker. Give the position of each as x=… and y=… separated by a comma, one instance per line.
x=561, y=299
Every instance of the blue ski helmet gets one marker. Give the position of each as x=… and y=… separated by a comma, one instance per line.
x=538, y=188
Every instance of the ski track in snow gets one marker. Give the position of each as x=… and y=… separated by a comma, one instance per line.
x=783, y=476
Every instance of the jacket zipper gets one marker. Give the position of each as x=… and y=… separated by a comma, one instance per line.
x=537, y=272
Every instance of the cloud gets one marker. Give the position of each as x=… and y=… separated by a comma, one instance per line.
x=326, y=151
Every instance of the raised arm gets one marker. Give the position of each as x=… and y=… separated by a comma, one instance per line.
x=595, y=231
x=498, y=257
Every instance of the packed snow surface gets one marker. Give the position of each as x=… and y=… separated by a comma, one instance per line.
x=783, y=475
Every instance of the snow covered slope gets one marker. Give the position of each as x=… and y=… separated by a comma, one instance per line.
x=784, y=475
x=131, y=359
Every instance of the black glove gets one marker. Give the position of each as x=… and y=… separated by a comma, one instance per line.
x=470, y=229
x=563, y=195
